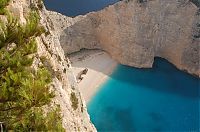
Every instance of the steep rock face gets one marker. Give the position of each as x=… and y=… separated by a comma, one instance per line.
x=64, y=82
x=134, y=32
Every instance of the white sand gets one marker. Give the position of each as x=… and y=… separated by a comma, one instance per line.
x=100, y=65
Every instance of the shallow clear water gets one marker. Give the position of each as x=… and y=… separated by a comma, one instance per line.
x=77, y=7
x=158, y=99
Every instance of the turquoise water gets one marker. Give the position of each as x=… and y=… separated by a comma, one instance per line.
x=77, y=7
x=158, y=99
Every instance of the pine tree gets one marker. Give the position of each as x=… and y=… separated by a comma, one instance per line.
x=23, y=90
x=3, y=4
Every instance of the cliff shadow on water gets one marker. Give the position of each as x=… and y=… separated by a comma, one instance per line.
x=161, y=98
x=162, y=77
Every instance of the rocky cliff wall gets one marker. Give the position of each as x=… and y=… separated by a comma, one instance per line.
x=133, y=32
x=64, y=83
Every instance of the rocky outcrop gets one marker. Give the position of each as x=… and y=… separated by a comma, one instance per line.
x=134, y=32
x=64, y=82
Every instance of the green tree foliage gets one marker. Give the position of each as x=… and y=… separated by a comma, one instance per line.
x=3, y=4
x=23, y=90
x=35, y=121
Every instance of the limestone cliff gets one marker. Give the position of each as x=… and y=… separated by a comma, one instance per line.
x=64, y=83
x=134, y=32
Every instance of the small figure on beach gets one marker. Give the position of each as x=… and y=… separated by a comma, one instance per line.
x=79, y=77
x=85, y=71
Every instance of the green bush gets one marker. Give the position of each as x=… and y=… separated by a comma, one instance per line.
x=74, y=101
x=35, y=121
x=3, y=4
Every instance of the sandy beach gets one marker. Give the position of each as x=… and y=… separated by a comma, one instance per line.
x=99, y=64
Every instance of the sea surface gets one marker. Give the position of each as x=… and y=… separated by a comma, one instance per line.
x=73, y=8
x=161, y=99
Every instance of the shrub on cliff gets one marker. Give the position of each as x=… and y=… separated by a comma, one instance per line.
x=24, y=90
x=74, y=100
x=3, y=4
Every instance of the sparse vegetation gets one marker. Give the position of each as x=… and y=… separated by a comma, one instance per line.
x=24, y=90
x=196, y=34
x=82, y=108
x=74, y=101
x=3, y=4
x=40, y=4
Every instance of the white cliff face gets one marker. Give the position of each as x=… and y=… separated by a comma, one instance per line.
x=64, y=82
x=133, y=32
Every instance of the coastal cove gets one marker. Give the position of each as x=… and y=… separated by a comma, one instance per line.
x=122, y=98
x=100, y=65
x=159, y=99
x=110, y=44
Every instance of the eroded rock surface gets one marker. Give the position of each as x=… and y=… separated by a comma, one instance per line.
x=134, y=32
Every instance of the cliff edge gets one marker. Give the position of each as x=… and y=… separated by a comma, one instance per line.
x=51, y=55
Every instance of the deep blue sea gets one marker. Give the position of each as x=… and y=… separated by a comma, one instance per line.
x=144, y=100
x=77, y=7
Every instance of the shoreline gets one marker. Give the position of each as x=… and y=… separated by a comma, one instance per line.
x=99, y=65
